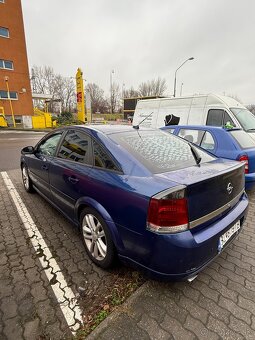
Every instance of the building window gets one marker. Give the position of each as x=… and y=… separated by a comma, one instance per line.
x=4, y=32
x=4, y=95
x=6, y=64
x=2, y=1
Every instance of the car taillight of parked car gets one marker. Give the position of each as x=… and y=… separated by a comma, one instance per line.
x=168, y=211
x=245, y=159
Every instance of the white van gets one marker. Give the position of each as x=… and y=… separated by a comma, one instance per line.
x=210, y=109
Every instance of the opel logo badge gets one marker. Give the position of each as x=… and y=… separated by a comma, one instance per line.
x=230, y=188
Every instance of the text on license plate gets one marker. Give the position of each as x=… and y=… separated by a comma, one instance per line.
x=227, y=235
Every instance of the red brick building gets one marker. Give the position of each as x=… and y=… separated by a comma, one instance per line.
x=14, y=70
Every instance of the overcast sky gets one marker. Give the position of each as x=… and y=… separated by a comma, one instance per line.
x=143, y=39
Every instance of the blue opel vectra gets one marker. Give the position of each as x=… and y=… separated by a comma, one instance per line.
x=148, y=197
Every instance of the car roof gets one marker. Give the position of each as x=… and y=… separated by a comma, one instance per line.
x=108, y=129
x=200, y=127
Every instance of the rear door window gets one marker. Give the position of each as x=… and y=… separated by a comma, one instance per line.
x=193, y=136
x=76, y=147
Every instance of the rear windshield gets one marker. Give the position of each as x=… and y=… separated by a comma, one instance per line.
x=159, y=151
x=243, y=139
x=245, y=118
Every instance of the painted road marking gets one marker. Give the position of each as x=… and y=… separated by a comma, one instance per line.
x=64, y=294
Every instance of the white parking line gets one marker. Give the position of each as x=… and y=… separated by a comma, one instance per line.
x=64, y=294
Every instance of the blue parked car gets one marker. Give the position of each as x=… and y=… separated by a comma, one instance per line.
x=143, y=195
x=233, y=143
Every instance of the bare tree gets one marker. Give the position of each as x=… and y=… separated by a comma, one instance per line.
x=45, y=81
x=98, y=102
x=115, y=97
x=251, y=108
x=130, y=93
x=154, y=87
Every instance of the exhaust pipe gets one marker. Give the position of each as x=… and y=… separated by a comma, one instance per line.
x=192, y=278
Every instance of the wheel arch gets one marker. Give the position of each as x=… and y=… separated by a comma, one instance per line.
x=88, y=202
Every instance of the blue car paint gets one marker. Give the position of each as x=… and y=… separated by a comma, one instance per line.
x=225, y=147
x=125, y=211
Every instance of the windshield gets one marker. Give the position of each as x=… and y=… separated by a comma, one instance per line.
x=159, y=151
x=245, y=118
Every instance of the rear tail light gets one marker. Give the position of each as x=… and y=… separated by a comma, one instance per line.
x=168, y=211
x=245, y=159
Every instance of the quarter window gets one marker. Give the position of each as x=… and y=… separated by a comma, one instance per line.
x=4, y=94
x=4, y=32
x=49, y=146
x=208, y=142
x=75, y=147
x=102, y=159
x=6, y=64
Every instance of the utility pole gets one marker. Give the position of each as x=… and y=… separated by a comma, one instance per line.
x=111, y=96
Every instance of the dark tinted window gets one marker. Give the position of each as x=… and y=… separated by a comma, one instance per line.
x=215, y=117
x=158, y=151
x=49, y=146
x=102, y=159
x=75, y=147
x=243, y=139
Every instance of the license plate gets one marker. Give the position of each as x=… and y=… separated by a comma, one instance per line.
x=228, y=234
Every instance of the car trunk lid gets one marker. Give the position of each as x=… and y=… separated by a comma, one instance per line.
x=211, y=189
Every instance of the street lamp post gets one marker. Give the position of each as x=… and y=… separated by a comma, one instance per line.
x=111, y=73
x=123, y=95
x=176, y=72
x=10, y=102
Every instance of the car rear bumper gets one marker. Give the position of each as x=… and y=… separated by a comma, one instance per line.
x=183, y=255
x=249, y=181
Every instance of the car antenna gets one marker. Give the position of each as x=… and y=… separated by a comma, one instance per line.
x=138, y=125
x=195, y=154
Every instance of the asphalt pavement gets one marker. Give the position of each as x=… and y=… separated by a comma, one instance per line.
x=11, y=142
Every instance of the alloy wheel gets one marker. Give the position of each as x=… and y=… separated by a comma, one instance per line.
x=94, y=237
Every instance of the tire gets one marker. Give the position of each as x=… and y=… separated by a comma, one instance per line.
x=28, y=185
x=97, y=238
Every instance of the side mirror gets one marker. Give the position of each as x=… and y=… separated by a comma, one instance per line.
x=28, y=150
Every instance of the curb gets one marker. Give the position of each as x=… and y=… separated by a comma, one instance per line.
x=114, y=315
x=27, y=130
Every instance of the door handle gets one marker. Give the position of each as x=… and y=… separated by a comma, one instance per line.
x=45, y=167
x=73, y=179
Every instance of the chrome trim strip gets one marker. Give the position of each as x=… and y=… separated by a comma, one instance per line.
x=214, y=213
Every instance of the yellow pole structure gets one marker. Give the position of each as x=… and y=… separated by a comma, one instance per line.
x=9, y=97
x=80, y=96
